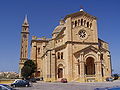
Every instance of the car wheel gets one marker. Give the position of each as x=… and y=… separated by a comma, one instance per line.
x=14, y=86
x=26, y=85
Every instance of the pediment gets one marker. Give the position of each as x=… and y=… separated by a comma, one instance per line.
x=88, y=49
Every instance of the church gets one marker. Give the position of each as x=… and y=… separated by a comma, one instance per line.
x=73, y=52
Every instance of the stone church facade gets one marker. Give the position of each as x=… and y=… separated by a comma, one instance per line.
x=74, y=52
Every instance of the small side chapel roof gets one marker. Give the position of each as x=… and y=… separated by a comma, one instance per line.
x=58, y=29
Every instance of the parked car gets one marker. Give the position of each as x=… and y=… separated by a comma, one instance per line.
x=113, y=88
x=32, y=80
x=39, y=79
x=21, y=83
x=109, y=79
x=64, y=80
x=5, y=87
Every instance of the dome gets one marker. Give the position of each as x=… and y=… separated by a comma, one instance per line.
x=58, y=29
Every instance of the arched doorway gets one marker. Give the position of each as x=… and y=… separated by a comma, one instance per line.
x=60, y=73
x=90, y=66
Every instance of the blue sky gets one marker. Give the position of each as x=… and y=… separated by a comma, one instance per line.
x=44, y=16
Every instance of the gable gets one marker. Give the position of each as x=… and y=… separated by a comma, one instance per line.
x=88, y=49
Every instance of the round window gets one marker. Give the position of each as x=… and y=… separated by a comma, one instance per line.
x=82, y=34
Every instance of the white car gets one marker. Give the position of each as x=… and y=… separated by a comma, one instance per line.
x=5, y=87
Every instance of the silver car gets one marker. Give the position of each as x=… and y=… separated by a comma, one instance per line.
x=5, y=87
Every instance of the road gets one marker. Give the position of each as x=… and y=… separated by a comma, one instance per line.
x=69, y=86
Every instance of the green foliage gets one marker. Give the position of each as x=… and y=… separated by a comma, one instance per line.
x=30, y=64
x=28, y=69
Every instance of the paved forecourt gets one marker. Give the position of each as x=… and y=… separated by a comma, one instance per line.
x=70, y=86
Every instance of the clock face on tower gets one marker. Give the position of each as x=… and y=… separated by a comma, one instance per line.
x=82, y=34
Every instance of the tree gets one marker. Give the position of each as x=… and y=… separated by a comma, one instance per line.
x=31, y=64
x=28, y=69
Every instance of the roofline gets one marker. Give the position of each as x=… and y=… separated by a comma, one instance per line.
x=102, y=40
x=77, y=13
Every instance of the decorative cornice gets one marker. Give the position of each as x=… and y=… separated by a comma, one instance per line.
x=88, y=43
x=25, y=32
x=23, y=58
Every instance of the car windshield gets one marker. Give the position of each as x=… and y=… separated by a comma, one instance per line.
x=7, y=86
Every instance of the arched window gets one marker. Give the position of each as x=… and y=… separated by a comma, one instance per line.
x=72, y=24
x=78, y=22
x=38, y=50
x=81, y=22
x=90, y=25
x=58, y=55
x=61, y=55
x=75, y=23
x=78, y=66
x=84, y=22
x=87, y=24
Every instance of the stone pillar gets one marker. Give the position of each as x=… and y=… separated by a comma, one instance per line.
x=98, y=69
x=109, y=64
x=69, y=62
x=82, y=73
x=77, y=69
x=53, y=66
x=48, y=66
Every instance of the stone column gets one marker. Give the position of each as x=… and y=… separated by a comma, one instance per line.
x=109, y=64
x=48, y=66
x=82, y=78
x=98, y=69
x=53, y=66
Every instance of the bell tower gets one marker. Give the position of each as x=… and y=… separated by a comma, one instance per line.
x=24, y=44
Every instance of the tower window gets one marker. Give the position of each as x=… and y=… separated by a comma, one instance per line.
x=58, y=55
x=84, y=22
x=38, y=50
x=90, y=25
x=25, y=28
x=72, y=24
x=78, y=22
x=75, y=23
x=87, y=24
x=61, y=55
x=81, y=22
